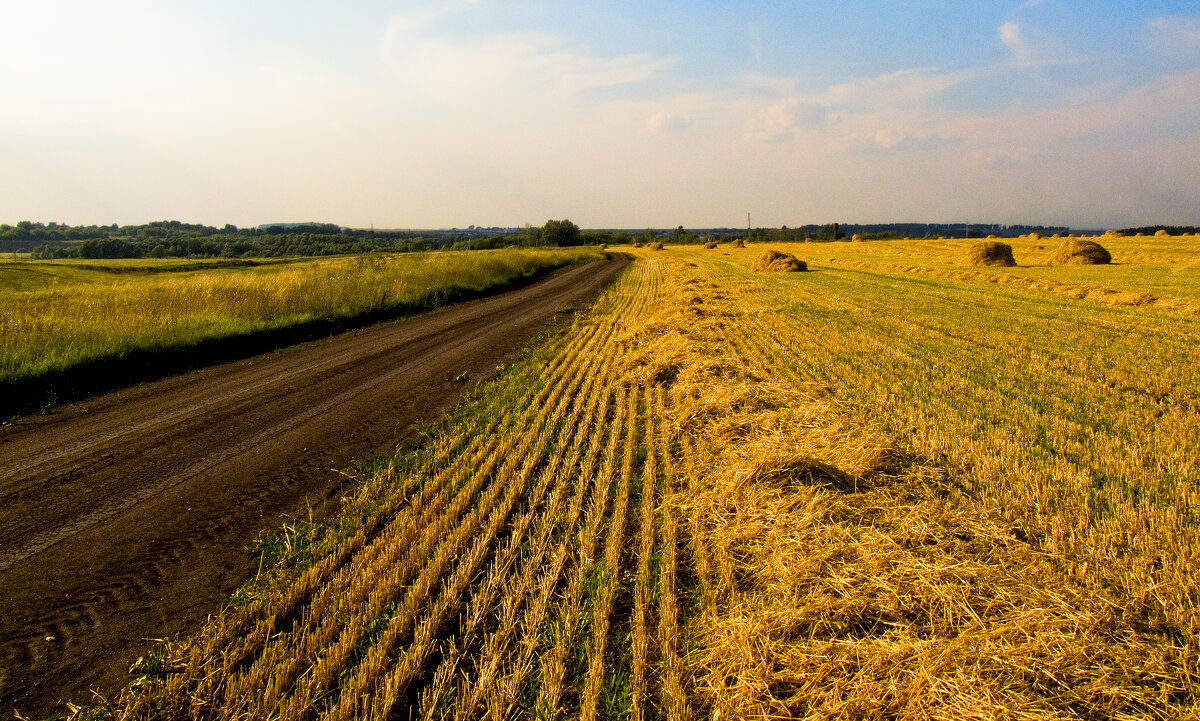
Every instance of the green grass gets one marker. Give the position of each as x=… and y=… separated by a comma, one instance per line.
x=71, y=326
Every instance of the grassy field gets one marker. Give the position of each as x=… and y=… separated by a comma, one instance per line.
x=859, y=492
x=67, y=323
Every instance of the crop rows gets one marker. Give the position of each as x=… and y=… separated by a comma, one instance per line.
x=492, y=578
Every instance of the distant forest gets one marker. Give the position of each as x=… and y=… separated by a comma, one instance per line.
x=173, y=239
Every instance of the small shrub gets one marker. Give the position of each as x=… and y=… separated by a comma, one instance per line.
x=772, y=261
x=1077, y=251
x=990, y=253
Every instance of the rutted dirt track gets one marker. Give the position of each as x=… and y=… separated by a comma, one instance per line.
x=127, y=517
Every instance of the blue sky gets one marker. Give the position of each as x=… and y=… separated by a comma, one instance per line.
x=614, y=114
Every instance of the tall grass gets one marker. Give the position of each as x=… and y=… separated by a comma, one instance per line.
x=56, y=316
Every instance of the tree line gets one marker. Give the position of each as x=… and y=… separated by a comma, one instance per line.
x=173, y=239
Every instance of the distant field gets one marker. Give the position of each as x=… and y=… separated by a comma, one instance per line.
x=60, y=316
x=1165, y=266
x=858, y=492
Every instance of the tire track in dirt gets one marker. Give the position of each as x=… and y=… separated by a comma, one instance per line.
x=126, y=517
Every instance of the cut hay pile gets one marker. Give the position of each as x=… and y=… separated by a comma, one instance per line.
x=990, y=253
x=656, y=246
x=710, y=245
x=772, y=261
x=737, y=243
x=1077, y=251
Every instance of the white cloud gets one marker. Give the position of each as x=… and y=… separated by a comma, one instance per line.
x=1013, y=39
x=785, y=119
x=754, y=40
x=1175, y=36
x=402, y=26
x=895, y=139
x=668, y=123
x=1029, y=4
x=527, y=67
x=900, y=87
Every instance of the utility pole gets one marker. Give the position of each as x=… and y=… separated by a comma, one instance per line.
x=968, y=230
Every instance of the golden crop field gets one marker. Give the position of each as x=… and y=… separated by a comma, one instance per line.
x=887, y=488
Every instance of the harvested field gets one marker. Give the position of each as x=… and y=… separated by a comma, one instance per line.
x=736, y=495
x=990, y=253
x=773, y=261
x=1078, y=251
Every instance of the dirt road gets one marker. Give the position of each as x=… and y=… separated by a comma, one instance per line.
x=127, y=517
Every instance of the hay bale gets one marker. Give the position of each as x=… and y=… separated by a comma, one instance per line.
x=772, y=261
x=737, y=243
x=656, y=246
x=710, y=245
x=857, y=238
x=1077, y=251
x=990, y=253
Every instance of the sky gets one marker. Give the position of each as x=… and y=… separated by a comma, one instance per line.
x=614, y=114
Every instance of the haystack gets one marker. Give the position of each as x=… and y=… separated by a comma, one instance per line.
x=710, y=245
x=990, y=252
x=1077, y=251
x=772, y=261
x=656, y=246
x=737, y=243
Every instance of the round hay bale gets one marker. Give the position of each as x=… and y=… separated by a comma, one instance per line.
x=737, y=243
x=1076, y=251
x=772, y=261
x=1161, y=233
x=856, y=238
x=710, y=245
x=990, y=253
x=656, y=246
x=1035, y=236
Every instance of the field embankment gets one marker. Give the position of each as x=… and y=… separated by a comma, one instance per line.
x=77, y=327
x=847, y=493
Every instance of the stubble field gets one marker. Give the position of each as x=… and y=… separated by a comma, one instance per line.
x=887, y=488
